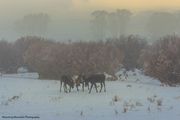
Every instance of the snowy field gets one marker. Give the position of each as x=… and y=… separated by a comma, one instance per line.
x=137, y=98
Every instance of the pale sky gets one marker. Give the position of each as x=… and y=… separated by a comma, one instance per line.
x=55, y=6
x=71, y=13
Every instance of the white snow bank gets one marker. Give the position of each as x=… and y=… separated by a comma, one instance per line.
x=136, y=76
x=22, y=75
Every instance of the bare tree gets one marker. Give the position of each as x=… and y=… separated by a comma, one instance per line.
x=118, y=21
x=33, y=24
x=99, y=24
x=123, y=16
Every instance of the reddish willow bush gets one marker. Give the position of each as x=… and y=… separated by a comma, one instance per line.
x=52, y=59
x=162, y=60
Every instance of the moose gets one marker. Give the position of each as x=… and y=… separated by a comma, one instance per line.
x=67, y=80
x=95, y=78
x=80, y=80
x=84, y=81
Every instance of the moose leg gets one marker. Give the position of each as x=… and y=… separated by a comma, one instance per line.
x=65, y=88
x=101, y=87
x=95, y=87
x=77, y=87
x=60, y=85
x=83, y=87
x=91, y=87
x=69, y=88
x=104, y=87
x=88, y=86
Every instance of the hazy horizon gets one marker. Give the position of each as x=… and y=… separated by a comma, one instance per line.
x=70, y=18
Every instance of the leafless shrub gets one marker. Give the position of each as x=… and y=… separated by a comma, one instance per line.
x=52, y=59
x=73, y=58
x=7, y=102
x=159, y=102
x=116, y=98
x=155, y=101
x=128, y=86
x=125, y=109
x=82, y=113
x=161, y=60
x=128, y=105
x=151, y=99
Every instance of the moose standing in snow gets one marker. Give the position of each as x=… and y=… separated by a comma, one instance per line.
x=96, y=78
x=67, y=80
x=80, y=81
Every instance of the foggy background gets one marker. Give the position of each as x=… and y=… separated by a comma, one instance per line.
x=74, y=19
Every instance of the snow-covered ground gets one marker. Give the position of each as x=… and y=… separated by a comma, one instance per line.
x=137, y=98
x=22, y=75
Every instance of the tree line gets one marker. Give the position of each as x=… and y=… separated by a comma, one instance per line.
x=152, y=24
x=104, y=24
x=51, y=59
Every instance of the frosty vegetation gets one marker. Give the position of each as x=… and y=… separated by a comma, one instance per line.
x=52, y=59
